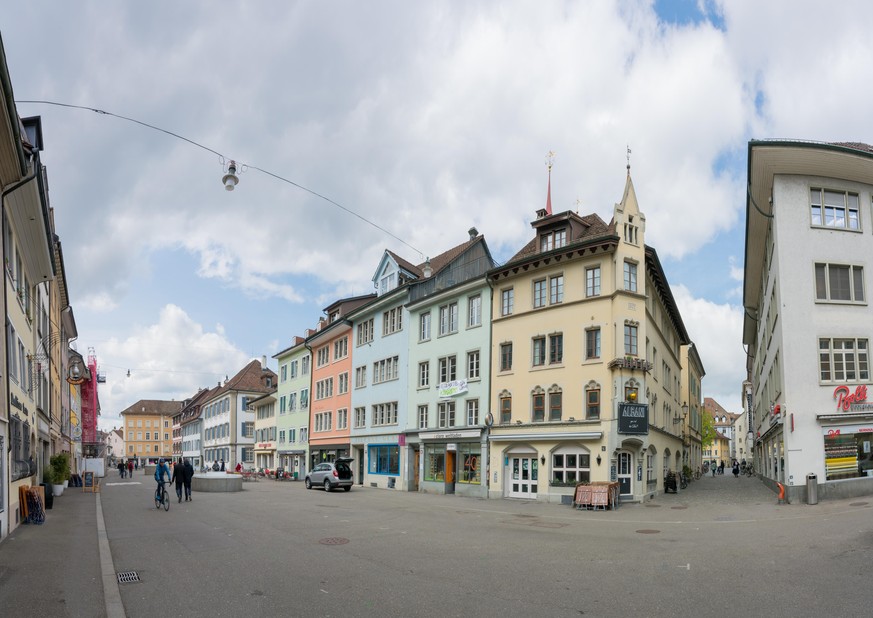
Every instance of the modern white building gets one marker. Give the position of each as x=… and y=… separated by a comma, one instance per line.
x=807, y=327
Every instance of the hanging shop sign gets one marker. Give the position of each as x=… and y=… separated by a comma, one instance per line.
x=852, y=401
x=633, y=418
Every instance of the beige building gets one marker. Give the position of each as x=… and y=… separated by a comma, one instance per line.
x=586, y=360
x=692, y=407
x=148, y=429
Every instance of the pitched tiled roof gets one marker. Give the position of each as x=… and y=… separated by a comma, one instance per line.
x=446, y=257
x=405, y=265
x=250, y=378
x=594, y=228
x=156, y=407
x=855, y=146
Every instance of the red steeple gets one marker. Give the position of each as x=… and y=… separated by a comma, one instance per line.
x=549, y=158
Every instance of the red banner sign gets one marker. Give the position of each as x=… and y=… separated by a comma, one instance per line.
x=846, y=398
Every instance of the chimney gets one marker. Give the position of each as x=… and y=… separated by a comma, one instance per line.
x=264, y=363
x=427, y=270
x=473, y=232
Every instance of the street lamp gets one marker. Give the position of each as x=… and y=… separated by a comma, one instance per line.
x=230, y=179
x=75, y=373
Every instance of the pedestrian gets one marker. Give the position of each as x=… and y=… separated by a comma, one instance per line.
x=188, y=472
x=178, y=478
x=736, y=470
x=136, y=463
x=714, y=470
x=130, y=468
x=238, y=468
x=721, y=467
x=215, y=466
x=222, y=465
x=121, y=469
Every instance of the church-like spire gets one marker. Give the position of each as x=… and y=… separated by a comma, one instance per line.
x=550, y=158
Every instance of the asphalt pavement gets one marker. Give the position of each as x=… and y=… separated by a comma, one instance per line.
x=723, y=547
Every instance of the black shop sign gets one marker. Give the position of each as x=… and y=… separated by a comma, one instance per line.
x=633, y=418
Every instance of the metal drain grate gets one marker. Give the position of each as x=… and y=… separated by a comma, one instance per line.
x=128, y=577
x=334, y=540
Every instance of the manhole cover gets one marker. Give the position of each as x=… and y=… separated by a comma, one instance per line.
x=678, y=508
x=653, y=506
x=334, y=540
x=859, y=504
x=128, y=577
x=648, y=531
x=547, y=524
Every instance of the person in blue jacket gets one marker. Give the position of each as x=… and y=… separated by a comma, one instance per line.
x=160, y=470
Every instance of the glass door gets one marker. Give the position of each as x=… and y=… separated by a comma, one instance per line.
x=523, y=479
x=625, y=474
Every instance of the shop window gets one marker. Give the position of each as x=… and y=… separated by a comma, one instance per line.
x=434, y=463
x=384, y=459
x=570, y=466
x=470, y=457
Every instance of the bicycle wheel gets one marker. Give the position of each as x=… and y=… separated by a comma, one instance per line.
x=166, y=501
x=157, y=499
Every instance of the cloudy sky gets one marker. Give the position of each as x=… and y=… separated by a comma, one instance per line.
x=426, y=118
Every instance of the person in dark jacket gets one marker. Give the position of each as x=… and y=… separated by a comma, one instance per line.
x=178, y=477
x=188, y=471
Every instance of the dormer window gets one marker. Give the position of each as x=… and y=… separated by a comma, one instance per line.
x=553, y=240
x=387, y=283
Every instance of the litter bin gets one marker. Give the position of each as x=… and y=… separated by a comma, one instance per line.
x=811, y=489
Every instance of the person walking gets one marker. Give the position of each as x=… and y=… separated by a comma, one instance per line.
x=736, y=470
x=121, y=469
x=178, y=477
x=188, y=474
x=222, y=465
x=130, y=468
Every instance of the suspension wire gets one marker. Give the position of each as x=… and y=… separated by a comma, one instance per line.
x=223, y=158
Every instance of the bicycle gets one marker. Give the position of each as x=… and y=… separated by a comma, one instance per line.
x=750, y=471
x=162, y=497
x=683, y=481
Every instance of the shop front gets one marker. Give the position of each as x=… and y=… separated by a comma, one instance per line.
x=293, y=461
x=265, y=455
x=453, y=462
x=321, y=453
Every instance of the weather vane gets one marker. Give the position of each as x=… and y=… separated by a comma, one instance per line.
x=550, y=160
x=578, y=204
x=628, y=157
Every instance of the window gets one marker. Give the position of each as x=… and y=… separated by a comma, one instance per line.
x=556, y=349
x=446, y=414
x=592, y=343
x=304, y=398
x=283, y=373
x=342, y=418
x=472, y=412
x=424, y=327
x=834, y=209
x=392, y=321
x=507, y=301
x=570, y=467
x=538, y=406
x=843, y=360
x=341, y=348
x=469, y=456
x=473, y=365
x=546, y=242
x=360, y=417
x=384, y=459
x=148, y=435
x=630, y=339
x=539, y=293
x=505, y=356
x=324, y=388
x=556, y=289
x=304, y=365
x=449, y=319
x=505, y=409
x=385, y=370
x=538, y=356
x=282, y=437
x=365, y=332
x=630, y=276
x=592, y=281
x=424, y=374
x=385, y=414
x=323, y=421
x=555, y=401
x=448, y=368
x=293, y=369
x=361, y=377
x=592, y=402
x=343, y=383
x=838, y=282
x=323, y=357
x=553, y=240
x=560, y=238
x=434, y=463
x=422, y=417
x=474, y=311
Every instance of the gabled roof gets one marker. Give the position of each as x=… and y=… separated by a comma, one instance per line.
x=251, y=378
x=192, y=408
x=582, y=230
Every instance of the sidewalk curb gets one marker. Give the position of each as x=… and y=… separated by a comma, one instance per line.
x=111, y=593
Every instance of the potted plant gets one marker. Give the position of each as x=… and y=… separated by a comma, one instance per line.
x=67, y=469
x=59, y=472
x=46, y=484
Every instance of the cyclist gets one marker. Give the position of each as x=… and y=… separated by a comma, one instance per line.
x=160, y=470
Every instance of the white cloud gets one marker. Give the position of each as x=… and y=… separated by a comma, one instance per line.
x=716, y=330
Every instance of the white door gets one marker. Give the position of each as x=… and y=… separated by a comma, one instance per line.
x=626, y=474
x=523, y=473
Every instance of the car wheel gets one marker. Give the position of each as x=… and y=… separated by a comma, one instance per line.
x=326, y=485
x=347, y=488
x=308, y=483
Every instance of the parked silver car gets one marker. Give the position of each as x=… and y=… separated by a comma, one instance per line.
x=331, y=475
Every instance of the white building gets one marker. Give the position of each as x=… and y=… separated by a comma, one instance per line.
x=807, y=328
